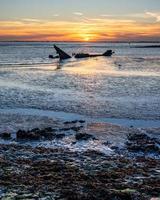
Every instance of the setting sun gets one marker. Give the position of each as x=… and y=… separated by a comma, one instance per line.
x=86, y=39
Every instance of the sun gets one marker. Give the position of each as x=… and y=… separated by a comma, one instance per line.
x=86, y=39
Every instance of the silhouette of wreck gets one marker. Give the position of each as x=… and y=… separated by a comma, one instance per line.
x=63, y=55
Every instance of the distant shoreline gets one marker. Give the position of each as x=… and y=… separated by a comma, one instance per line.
x=147, y=46
x=130, y=42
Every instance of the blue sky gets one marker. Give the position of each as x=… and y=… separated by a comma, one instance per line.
x=10, y=9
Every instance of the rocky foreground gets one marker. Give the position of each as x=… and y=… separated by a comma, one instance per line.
x=27, y=172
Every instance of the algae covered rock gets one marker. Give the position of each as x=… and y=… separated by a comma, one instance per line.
x=5, y=136
x=84, y=136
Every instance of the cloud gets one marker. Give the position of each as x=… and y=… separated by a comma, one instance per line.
x=137, y=16
x=154, y=15
x=28, y=20
x=31, y=37
x=96, y=29
x=78, y=13
x=56, y=15
x=106, y=15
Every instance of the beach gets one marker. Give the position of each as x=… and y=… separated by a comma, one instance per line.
x=79, y=129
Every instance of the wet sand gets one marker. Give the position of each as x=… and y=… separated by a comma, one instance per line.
x=77, y=160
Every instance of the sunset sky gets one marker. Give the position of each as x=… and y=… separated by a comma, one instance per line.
x=79, y=20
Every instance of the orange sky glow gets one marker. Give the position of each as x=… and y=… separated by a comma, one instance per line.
x=95, y=29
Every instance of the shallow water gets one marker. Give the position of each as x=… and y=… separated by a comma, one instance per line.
x=126, y=86
x=63, y=116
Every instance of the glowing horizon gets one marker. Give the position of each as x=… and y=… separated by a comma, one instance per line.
x=135, y=25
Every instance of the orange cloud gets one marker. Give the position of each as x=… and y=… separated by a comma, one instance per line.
x=98, y=29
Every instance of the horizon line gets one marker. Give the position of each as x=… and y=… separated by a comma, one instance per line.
x=142, y=41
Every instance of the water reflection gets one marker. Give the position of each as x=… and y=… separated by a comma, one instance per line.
x=104, y=87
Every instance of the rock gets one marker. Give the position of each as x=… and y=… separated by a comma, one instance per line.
x=133, y=137
x=47, y=134
x=65, y=129
x=21, y=134
x=60, y=136
x=82, y=121
x=49, y=129
x=71, y=122
x=74, y=122
x=5, y=136
x=84, y=136
x=36, y=134
x=67, y=122
x=32, y=136
x=35, y=130
x=93, y=153
x=114, y=148
x=24, y=135
x=76, y=129
x=107, y=143
x=142, y=142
